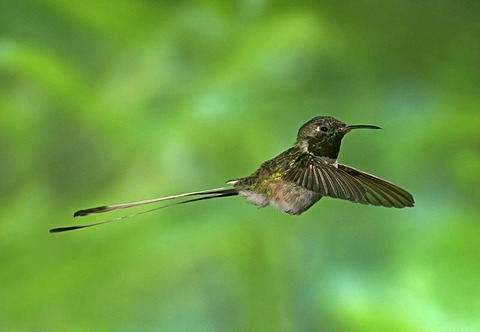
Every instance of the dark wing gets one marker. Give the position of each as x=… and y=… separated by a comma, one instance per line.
x=319, y=176
x=378, y=191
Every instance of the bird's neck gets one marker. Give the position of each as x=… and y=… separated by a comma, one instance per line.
x=321, y=148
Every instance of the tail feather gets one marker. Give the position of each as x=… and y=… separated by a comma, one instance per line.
x=204, y=195
x=107, y=208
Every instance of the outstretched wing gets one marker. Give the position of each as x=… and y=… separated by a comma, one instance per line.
x=347, y=183
x=319, y=176
x=379, y=191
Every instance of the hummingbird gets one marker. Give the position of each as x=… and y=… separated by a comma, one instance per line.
x=293, y=181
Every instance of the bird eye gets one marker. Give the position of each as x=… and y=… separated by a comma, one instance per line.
x=324, y=128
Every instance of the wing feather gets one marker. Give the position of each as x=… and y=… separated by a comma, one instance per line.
x=379, y=191
x=317, y=175
x=344, y=182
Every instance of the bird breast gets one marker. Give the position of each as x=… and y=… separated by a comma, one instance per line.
x=285, y=196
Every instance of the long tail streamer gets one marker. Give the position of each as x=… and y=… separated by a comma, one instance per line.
x=207, y=194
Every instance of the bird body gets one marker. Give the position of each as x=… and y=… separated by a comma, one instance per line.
x=294, y=180
x=299, y=177
x=268, y=185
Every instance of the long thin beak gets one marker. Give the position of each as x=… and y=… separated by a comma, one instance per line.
x=348, y=128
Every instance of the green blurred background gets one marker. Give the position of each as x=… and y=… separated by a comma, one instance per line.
x=106, y=102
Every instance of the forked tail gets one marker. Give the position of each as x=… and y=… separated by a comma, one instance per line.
x=202, y=195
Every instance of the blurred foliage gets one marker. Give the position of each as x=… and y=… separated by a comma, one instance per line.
x=104, y=102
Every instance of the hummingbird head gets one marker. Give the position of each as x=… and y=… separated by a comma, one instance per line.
x=322, y=136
